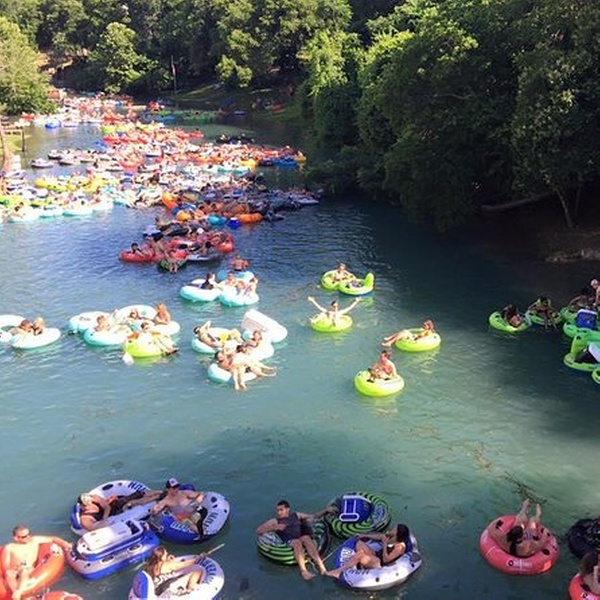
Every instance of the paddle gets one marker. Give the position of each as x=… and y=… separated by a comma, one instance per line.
x=211, y=551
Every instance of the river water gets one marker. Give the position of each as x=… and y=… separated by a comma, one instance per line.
x=481, y=421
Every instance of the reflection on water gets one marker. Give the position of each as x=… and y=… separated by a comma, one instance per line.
x=482, y=419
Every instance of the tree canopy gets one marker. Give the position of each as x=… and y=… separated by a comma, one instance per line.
x=443, y=106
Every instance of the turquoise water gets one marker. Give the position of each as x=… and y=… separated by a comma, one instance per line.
x=480, y=420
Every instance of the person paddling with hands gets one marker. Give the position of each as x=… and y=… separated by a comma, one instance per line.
x=165, y=569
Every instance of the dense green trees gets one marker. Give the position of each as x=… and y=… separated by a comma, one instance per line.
x=21, y=85
x=444, y=106
x=471, y=102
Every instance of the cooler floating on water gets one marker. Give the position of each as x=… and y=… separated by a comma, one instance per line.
x=354, y=509
x=586, y=318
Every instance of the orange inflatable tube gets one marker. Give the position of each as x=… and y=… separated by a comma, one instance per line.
x=578, y=592
x=48, y=569
x=250, y=217
x=540, y=562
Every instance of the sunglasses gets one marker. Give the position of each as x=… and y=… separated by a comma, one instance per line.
x=23, y=536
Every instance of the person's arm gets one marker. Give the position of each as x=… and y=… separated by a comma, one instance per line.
x=48, y=539
x=349, y=308
x=497, y=535
x=398, y=550
x=593, y=581
x=267, y=526
x=195, y=495
x=158, y=507
x=320, y=513
x=5, y=558
x=316, y=304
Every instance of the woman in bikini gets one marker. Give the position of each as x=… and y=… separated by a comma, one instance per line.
x=526, y=537
x=165, y=570
x=393, y=545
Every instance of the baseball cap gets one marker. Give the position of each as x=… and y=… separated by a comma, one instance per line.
x=172, y=483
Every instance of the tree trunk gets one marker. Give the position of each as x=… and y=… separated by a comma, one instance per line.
x=6, y=153
x=564, y=202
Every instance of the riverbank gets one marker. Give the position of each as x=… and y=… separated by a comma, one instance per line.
x=539, y=233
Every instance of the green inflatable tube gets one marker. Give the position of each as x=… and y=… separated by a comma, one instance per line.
x=358, y=287
x=592, y=335
x=536, y=319
x=497, y=322
x=379, y=388
x=378, y=518
x=142, y=350
x=596, y=375
x=323, y=324
x=272, y=547
x=419, y=344
x=328, y=282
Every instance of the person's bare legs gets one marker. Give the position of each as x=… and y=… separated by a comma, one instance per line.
x=522, y=517
x=363, y=556
x=298, y=548
x=313, y=552
x=195, y=579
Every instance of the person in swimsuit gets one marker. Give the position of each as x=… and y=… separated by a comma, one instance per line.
x=163, y=316
x=93, y=511
x=342, y=274
x=185, y=505
x=384, y=367
x=209, y=283
x=543, y=308
x=38, y=325
x=238, y=263
x=165, y=569
x=405, y=334
x=333, y=313
x=20, y=556
x=526, y=537
x=394, y=544
x=206, y=337
x=589, y=571
x=293, y=528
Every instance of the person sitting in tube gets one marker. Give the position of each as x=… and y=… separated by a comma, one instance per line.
x=394, y=544
x=405, y=334
x=333, y=313
x=526, y=537
x=184, y=505
x=165, y=569
x=510, y=314
x=25, y=326
x=595, y=285
x=585, y=299
x=135, y=249
x=163, y=316
x=148, y=336
x=342, y=274
x=543, y=308
x=209, y=283
x=38, y=326
x=384, y=369
x=588, y=569
x=95, y=509
x=239, y=264
x=206, y=337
